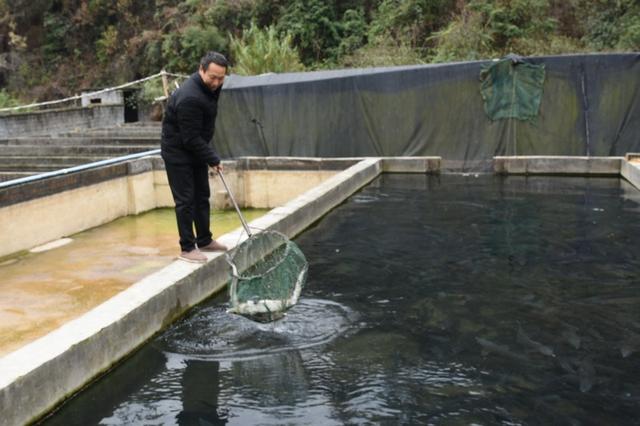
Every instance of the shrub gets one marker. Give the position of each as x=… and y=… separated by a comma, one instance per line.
x=611, y=25
x=353, y=31
x=409, y=21
x=383, y=51
x=261, y=51
x=107, y=45
x=55, y=29
x=487, y=28
x=7, y=100
x=467, y=37
x=182, y=51
x=314, y=28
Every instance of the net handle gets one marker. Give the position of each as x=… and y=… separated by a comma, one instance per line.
x=235, y=204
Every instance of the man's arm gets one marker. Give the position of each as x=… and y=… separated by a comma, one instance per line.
x=190, y=122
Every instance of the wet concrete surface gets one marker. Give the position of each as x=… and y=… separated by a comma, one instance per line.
x=41, y=291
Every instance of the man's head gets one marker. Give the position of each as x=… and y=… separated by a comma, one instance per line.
x=213, y=67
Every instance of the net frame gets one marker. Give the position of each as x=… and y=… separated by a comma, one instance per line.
x=272, y=268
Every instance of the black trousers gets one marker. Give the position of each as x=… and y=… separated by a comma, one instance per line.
x=189, y=185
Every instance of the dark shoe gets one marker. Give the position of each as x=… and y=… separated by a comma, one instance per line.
x=214, y=246
x=193, y=256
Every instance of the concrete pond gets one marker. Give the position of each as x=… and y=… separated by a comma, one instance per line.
x=39, y=376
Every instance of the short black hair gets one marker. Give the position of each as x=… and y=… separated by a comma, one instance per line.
x=213, y=57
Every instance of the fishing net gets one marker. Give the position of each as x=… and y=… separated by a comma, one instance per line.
x=512, y=88
x=268, y=272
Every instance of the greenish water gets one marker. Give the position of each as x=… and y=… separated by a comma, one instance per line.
x=430, y=300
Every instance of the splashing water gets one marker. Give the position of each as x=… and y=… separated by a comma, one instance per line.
x=212, y=333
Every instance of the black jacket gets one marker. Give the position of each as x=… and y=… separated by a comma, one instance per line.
x=189, y=123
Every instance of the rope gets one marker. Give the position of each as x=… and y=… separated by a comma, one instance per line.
x=512, y=117
x=73, y=98
x=174, y=75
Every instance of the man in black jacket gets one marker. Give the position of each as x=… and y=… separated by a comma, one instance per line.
x=187, y=129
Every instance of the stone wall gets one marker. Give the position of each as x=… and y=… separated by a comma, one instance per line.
x=56, y=121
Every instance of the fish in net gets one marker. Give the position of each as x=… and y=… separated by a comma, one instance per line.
x=268, y=272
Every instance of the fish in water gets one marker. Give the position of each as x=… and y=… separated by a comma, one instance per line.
x=630, y=345
x=491, y=347
x=570, y=334
x=586, y=375
x=584, y=372
x=525, y=340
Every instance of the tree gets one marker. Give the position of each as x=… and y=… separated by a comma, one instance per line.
x=314, y=28
x=611, y=25
x=410, y=22
x=489, y=29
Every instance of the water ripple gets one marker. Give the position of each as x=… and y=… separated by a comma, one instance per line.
x=214, y=334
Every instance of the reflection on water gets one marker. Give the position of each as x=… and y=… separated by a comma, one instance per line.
x=458, y=300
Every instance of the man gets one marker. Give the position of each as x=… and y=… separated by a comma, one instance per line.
x=187, y=128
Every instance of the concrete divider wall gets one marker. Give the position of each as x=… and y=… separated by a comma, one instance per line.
x=558, y=165
x=268, y=182
x=411, y=164
x=630, y=170
x=627, y=167
x=265, y=188
x=57, y=121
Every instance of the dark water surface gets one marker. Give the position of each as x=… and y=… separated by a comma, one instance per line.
x=430, y=300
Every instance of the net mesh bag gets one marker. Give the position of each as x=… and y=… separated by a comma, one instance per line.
x=512, y=88
x=268, y=272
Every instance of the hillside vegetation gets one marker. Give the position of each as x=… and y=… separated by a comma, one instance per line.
x=53, y=48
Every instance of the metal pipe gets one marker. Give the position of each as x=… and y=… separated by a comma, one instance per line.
x=82, y=167
x=233, y=200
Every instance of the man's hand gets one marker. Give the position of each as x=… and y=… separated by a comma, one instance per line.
x=217, y=168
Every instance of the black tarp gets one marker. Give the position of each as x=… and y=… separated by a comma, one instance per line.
x=590, y=106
